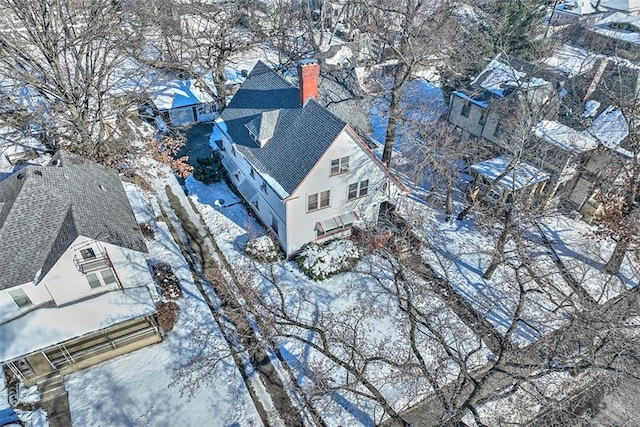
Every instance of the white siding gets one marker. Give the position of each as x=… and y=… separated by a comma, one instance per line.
x=296, y=225
x=66, y=283
x=8, y=309
x=269, y=203
x=301, y=225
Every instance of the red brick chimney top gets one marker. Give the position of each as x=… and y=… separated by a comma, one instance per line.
x=308, y=75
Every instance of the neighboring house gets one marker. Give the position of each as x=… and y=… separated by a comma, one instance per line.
x=572, y=11
x=522, y=178
x=74, y=288
x=590, y=11
x=181, y=102
x=579, y=132
x=616, y=34
x=476, y=109
x=306, y=174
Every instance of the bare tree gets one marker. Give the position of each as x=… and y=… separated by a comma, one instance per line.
x=195, y=38
x=71, y=58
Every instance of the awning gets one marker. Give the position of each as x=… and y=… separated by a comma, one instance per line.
x=229, y=165
x=247, y=190
x=335, y=222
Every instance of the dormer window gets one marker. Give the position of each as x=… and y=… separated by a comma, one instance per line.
x=87, y=253
x=339, y=166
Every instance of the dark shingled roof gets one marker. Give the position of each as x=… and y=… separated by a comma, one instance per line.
x=301, y=134
x=43, y=209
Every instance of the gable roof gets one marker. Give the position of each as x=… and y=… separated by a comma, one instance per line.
x=505, y=73
x=301, y=134
x=43, y=209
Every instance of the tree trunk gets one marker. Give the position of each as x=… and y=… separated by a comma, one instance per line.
x=613, y=265
x=449, y=202
x=497, y=257
x=390, y=136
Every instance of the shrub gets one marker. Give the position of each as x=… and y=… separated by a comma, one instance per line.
x=263, y=249
x=167, y=281
x=168, y=315
x=147, y=230
x=322, y=261
x=209, y=169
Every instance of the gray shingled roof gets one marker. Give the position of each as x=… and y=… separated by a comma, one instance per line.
x=301, y=134
x=44, y=208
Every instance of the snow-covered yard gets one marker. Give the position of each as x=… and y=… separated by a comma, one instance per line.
x=355, y=295
x=140, y=388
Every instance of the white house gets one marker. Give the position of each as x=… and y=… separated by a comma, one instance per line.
x=304, y=171
x=74, y=288
x=182, y=102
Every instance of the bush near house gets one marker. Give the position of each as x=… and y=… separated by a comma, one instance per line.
x=167, y=281
x=168, y=315
x=262, y=249
x=147, y=230
x=322, y=261
x=209, y=170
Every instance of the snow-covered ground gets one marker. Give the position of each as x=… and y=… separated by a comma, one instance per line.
x=37, y=418
x=381, y=324
x=420, y=101
x=141, y=388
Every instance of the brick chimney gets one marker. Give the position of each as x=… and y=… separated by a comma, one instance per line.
x=308, y=75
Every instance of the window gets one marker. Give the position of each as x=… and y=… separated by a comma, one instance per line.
x=466, y=107
x=256, y=205
x=312, y=202
x=87, y=253
x=274, y=224
x=93, y=280
x=339, y=165
x=498, y=130
x=263, y=187
x=353, y=191
x=313, y=199
x=252, y=173
x=325, y=199
x=358, y=189
x=20, y=298
x=108, y=277
x=364, y=188
x=233, y=151
x=483, y=119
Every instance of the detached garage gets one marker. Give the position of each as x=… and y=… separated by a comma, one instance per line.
x=182, y=102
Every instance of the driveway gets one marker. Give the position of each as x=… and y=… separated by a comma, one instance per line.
x=197, y=144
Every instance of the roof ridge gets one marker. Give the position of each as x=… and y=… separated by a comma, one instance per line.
x=267, y=67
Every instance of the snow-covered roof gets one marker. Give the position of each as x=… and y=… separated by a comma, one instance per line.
x=623, y=5
x=610, y=128
x=522, y=175
x=572, y=60
x=576, y=7
x=45, y=327
x=479, y=103
x=565, y=137
x=499, y=75
x=179, y=93
x=628, y=31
